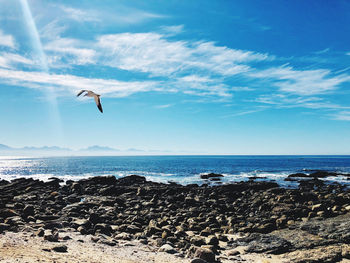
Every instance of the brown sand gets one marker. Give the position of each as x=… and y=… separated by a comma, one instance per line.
x=24, y=247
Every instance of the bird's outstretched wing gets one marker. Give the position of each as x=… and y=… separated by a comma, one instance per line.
x=81, y=92
x=98, y=103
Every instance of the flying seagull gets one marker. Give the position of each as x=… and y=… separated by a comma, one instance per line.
x=89, y=93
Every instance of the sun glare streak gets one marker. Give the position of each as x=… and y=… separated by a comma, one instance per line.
x=40, y=56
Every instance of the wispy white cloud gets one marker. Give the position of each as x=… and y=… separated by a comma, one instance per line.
x=301, y=82
x=195, y=78
x=341, y=116
x=241, y=113
x=7, y=40
x=71, y=83
x=164, y=106
x=153, y=53
x=69, y=49
x=145, y=52
x=119, y=15
x=172, y=30
x=195, y=67
x=10, y=60
x=3, y=62
x=323, y=51
x=287, y=101
x=53, y=30
x=79, y=15
x=241, y=89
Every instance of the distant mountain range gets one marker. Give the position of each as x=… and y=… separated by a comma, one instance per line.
x=97, y=148
x=5, y=149
x=44, y=148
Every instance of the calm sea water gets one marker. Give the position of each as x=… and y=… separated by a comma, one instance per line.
x=181, y=169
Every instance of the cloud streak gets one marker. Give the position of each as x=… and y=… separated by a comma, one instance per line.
x=153, y=53
x=6, y=40
x=164, y=63
x=341, y=116
x=301, y=82
x=72, y=84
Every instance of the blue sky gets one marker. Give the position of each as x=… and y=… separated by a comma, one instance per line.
x=208, y=77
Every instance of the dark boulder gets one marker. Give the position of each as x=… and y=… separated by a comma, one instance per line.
x=298, y=175
x=211, y=175
x=60, y=248
x=6, y=212
x=322, y=174
x=28, y=210
x=102, y=180
x=265, y=243
x=131, y=180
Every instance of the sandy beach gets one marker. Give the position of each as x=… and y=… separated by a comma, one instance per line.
x=104, y=219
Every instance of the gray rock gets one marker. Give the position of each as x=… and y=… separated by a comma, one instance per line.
x=51, y=237
x=60, y=248
x=204, y=254
x=168, y=249
x=108, y=242
x=103, y=229
x=269, y=244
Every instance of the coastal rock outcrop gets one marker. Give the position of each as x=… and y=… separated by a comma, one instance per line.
x=193, y=220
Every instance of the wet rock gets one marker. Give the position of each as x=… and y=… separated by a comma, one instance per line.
x=4, y=182
x=77, y=188
x=265, y=243
x=298, y=175
x=210, y=176
x=189, y=217
x=300, y=239
x=322, y=174
x=109, y=190
x=100, y=180
x=332, y=229
x=131, y=180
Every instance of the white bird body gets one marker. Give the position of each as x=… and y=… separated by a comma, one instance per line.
x=89, y=93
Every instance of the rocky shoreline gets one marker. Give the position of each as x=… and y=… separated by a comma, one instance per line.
x=204, y=223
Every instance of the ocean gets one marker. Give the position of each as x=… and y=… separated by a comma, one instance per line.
x=180, y=169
